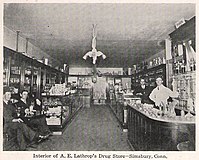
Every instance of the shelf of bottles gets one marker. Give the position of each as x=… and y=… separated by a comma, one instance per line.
x=183, y=52
x=35, y=74
x=22, y=72
x=50, y=79
x=43, y=80
x=184, y=62
x=27, y=77
x=15, y=75
x=156, y=61
x=185, y=84
x=184, y=79
x=150, y=76
x=5, y=71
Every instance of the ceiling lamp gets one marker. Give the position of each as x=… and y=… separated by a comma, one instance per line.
x=94, y=53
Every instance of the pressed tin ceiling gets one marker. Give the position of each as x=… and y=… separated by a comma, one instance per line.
x=126, y=33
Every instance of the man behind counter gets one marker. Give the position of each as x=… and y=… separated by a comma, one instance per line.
x=161, y=94
x=143, y=92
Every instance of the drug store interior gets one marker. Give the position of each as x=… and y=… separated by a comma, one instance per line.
x=99, y=77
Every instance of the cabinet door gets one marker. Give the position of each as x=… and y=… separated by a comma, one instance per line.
x=6, y=70
x=27, y=79
x=36, y=81
x=15, y=75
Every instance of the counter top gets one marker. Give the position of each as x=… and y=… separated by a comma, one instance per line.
x=151, y=113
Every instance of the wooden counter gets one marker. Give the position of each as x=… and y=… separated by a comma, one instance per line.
x=150, y=133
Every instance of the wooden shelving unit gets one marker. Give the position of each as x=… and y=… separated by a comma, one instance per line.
x=150, y=76
x=22, y=72
x=183, y=76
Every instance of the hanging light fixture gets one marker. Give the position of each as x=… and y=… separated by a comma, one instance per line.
x=94, y=53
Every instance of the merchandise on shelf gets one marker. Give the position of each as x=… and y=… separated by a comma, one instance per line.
x=52, y=107
x=183, y=73
x=169, y=113
x=65, y=112
x=150, y=76
x=59, y=109
x=185, y=84
x=58, y=89
x=21, y=72
x=53, y=121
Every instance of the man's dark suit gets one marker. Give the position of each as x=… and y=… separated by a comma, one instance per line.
x=145, y=93
x=37, y=123
x=24, y=134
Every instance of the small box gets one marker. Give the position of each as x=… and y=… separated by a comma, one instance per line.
x=53, y=121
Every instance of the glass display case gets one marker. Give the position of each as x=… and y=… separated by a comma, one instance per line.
x=56, y=111
x=22, y=72
x=59, y=110
x=28, y=78
x=5, y=71
x=15, y=75
x=35, y=81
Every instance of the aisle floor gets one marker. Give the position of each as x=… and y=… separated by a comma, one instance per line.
x=93, y=129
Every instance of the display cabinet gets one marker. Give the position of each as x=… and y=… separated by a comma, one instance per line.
x=86, y=96
x=28, y=73
x=75, y=103
x=116, y=104
x=6, y=70
x=22, y=72
x=56, y=112
x=183, y=53
x=36, y=81
x=12, y=68
x=117, y=86
x=60, y=110
x=110, y=91
x=15, y=75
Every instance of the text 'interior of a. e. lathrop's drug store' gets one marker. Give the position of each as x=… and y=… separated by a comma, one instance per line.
x=99, y=77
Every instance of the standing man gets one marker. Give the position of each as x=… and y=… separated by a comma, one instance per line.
x=143, y=92
x=12, y=122
x=161, y=94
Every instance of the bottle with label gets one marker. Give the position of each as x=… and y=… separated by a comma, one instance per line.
x=182, y=113
x=183, y=67
x=163, y=60
x=177, y=67
x=194, y=65
x=191, y=64
x=151, y=63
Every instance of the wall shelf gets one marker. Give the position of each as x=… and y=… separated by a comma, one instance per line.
x=29, y=73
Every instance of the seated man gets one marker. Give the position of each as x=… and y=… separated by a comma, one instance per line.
x=24, y=134
x=38, y=122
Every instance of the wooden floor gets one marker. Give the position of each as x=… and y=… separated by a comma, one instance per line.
x=93, y=129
